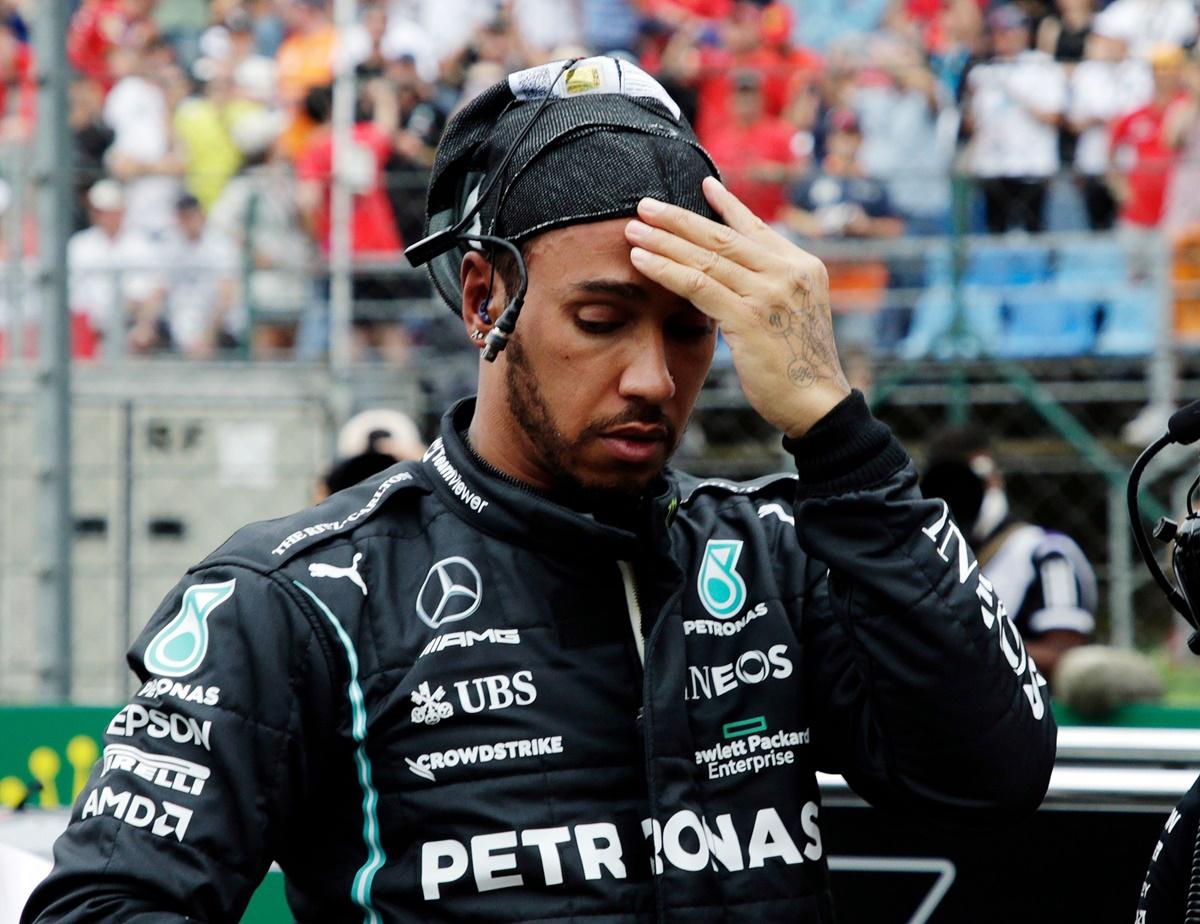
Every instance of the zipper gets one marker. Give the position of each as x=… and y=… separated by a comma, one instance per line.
x=634, y=606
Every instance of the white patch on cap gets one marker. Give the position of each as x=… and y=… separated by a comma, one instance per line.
x=590, y=75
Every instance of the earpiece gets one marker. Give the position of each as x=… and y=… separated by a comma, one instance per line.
x=483, y=310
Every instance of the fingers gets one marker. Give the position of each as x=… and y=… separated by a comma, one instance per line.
x=732, y=275
x=705, y=233
x=706, y=293
x=735, y=212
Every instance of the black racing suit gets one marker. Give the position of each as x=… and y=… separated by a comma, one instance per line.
x=440, y=696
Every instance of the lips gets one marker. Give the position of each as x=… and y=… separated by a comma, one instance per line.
x=639, y=445
x=648, y=433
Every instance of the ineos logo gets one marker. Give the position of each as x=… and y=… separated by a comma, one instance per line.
x=452, y=591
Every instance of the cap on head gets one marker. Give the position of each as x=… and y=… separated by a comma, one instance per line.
x=106, y=196
x=608, y=136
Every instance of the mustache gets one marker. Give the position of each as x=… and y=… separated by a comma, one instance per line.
x=646, y=414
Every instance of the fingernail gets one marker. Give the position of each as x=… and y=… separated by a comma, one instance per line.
x=636, y=230
x=637, y=255
x=650, y=206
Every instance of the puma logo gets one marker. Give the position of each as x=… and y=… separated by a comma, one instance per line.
x=320, y=569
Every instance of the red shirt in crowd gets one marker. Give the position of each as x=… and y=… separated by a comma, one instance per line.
x=96, y=29
x=372, y=222
x=738, y=148
x=783, y=71
x=1139, y=152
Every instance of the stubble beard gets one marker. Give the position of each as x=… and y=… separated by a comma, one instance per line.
x=557, y=453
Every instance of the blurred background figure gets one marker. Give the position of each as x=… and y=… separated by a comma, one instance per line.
x=143, y=155
x=755, y=150
x=203, y=315
x=374, y=233
x=368, y=443
x=838, y=201
x=1106, y=84
x=1011, y=113
x=116, y=284
x=1140, y=158
x=258, y=211
x=1144, y=25
x=1042, y=576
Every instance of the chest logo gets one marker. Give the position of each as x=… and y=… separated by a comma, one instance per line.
x=321, y=569
x=429, y=708
x=452, y=591
x=721, y=588
x=180, y=645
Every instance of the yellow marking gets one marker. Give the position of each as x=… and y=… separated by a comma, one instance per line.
x=44, y=764
x=82, y=754
x=12, y=791
x=582, y=79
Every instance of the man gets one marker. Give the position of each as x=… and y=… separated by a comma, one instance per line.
x=839, y=201
x=203, y=313
x=1044, y=576
x=540, y=675
x=117, y=288
x=754, y=150
x=1012, y=110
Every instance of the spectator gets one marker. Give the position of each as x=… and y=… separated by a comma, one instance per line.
x=372, y=224
x=1144, y=25
x=378, y=40
x=909, y=124
x=304, y=61
x=703, y=56
x=754, y=150
x=1139, y=157
x=1064, y=36
x=956, y=44
x=1012, y=109
x=202, y=314
x=418, y=127
x=100, y=27
x=257, y=210
x=142, y=154
x=1044, y=578
x=201, y=125
x=18, y=87
x=113, y=272
x=1101, y=87
x=92, y=137
x=839, y=201
x=1181, y=130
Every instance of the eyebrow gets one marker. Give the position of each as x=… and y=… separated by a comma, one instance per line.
x=629, y=291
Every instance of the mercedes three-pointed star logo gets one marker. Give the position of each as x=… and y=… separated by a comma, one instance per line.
x=451, y=591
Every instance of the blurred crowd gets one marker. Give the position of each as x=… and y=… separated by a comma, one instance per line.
x=204, y=153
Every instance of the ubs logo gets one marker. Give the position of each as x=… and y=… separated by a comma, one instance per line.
x=452, y=591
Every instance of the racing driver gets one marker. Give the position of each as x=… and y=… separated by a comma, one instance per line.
x=540, y=675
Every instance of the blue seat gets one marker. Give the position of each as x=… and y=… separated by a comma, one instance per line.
x=1042, y=321
x=1131, y=321
x=933, y=314
x=1091, y=269
x=1006, y=265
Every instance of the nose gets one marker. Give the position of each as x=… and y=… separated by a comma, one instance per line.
x=647, y=375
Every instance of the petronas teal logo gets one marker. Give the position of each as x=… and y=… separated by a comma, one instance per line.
x=722, y=590
x=180, y=646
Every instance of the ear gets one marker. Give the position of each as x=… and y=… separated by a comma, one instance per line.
x=475, y=275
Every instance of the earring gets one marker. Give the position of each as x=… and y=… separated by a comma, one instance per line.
x=476, y=335
x=483, y=310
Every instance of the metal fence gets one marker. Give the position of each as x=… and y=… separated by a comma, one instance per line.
x=1054, y=342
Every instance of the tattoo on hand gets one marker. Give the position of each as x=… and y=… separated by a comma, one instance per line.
x=809, y=336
